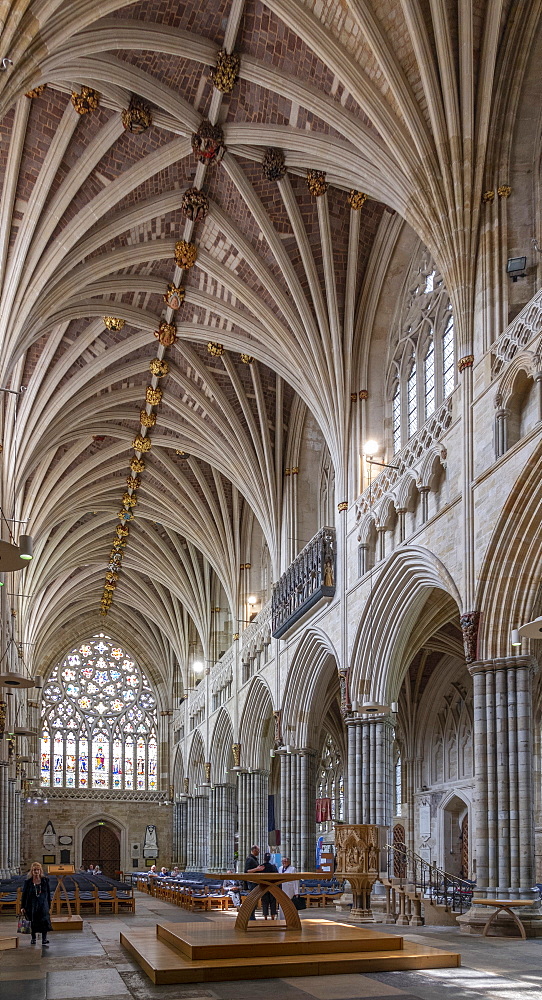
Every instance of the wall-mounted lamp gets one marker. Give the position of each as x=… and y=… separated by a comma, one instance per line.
x=515, y=638
x=515, y=267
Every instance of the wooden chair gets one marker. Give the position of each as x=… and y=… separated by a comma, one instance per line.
x=219, y=902
x=87, y=899
x=107, y=901
x=201, y=901
x=10, y=902
x=314, y=896
x=125, y=900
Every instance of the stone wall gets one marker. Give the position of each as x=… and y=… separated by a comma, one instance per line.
x=74, y=817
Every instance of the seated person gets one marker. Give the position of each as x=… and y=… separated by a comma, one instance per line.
x=153, y=871
x=175, y=871
x=164, y=871
x=90, y=870
x=97, y=870
x=232, y=888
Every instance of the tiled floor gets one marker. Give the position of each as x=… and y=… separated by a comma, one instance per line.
x=93, y=965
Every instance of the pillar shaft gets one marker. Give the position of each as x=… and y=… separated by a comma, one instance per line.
x=252, y=794
x=298, y=807
x=197, y=848
x=370, y=771
x=222, y=825
x=504, y=804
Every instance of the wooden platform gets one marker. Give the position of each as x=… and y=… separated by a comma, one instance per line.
x=8, y=941
x=191, y=953
x=67, y=923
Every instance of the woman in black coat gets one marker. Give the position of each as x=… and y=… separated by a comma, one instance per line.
x=36, y=902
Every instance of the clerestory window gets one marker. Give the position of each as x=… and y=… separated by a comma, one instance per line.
x=422, y=370
x=99, y=721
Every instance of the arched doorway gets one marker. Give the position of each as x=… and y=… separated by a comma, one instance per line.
x=101, y=846
x=456, y=837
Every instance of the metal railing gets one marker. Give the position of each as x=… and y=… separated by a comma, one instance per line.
x=430, y=882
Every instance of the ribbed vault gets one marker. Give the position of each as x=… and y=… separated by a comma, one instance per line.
x=398, y=100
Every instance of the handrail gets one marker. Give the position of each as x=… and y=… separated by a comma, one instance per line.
x=433, y=883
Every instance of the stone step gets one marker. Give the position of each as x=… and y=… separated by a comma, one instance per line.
x=271, y=939
x=165, y=964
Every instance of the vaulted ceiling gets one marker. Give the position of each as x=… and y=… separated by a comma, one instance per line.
x=395, y=99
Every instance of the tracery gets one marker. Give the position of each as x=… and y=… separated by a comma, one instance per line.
x=99, y=721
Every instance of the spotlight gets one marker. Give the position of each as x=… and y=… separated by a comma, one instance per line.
x=371, y=447
x=26, y=548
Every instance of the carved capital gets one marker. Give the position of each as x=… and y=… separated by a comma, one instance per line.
x=465, y=362
x=469, y=623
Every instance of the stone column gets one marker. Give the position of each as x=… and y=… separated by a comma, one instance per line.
x=222, y=825
x=370, y=770
x=297, y=807
x=504, y=800
x=501, y=431
x=180, y=832
x=197, y=848
x=4, y=820
x=11, y=825
x=424, y=493
x=252, y=792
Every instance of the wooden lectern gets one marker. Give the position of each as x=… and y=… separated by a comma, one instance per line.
x=70, y=921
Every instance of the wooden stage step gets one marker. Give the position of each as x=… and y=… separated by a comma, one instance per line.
x=163, y=952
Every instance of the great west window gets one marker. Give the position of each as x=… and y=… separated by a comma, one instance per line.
x=99, y=721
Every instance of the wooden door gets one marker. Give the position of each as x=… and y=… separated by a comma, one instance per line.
x=101, y=847
x=399, y=857
x=464, y=872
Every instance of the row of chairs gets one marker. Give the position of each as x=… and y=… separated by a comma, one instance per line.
x=95, y=901
x=188, y=897
x=320, y=893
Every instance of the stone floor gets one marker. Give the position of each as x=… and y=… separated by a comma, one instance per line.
x=93, y=965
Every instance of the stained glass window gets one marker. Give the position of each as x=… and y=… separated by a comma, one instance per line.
x=58, y=758
x=396, y=417
x=448, y=363
x=422, y=357
x=412, y=402
x=45, y=757
x=70, y=760
x=99, y=721
x=429, y=380
x=330, y=781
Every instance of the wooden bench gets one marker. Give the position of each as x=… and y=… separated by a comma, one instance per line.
x=508, y=906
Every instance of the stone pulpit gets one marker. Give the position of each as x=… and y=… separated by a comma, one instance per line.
x=358, y=847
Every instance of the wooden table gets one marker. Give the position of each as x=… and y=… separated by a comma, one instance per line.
x=506, y=905
x=267, y=882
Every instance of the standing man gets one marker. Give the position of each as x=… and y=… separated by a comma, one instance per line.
x=251, y=863
x=290, y=888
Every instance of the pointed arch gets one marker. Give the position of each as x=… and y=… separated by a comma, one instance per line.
x=509, y=585
x=306, y=697
x=221, y=753
x=196, y=760
x=411, y=598
x=256, y=728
